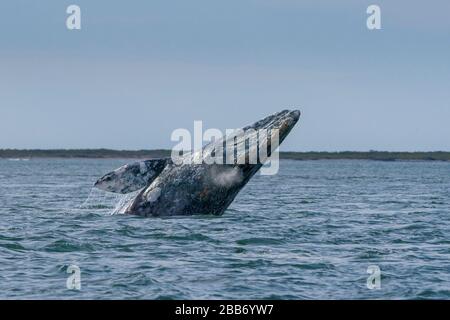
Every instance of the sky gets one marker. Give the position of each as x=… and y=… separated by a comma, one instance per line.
x=137, y=70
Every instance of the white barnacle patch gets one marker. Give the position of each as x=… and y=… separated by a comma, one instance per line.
x=153, y=194
x=122, y=169
x=142, y=167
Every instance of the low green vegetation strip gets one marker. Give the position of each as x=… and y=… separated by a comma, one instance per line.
x=108, y=153
x=82, y=153
x=370, y=155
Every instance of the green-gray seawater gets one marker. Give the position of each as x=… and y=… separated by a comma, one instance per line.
x=311, y=231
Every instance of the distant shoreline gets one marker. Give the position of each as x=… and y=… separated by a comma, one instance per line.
x=159, y=153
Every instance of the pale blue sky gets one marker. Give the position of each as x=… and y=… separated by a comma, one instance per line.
x=140, y=69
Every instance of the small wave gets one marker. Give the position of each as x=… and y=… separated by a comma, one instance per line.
x=314, y=266
x=64, y=246
x=17, y=247
x=433, y=294
x=189, y=237
x=98, y=206
x=259, y=241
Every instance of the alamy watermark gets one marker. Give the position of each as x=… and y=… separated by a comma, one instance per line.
x=73, y=21
x=374, y=279
x=374, y=20
x=236, y=147
x=73, y=282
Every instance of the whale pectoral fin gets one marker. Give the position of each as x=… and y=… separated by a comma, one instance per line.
x=131, y=177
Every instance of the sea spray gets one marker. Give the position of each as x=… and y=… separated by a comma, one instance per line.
x=114, y=203
x=123, y=201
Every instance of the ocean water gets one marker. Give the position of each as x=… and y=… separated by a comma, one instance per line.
x=310, y=232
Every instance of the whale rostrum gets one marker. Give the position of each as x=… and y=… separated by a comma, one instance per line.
x=205, y=181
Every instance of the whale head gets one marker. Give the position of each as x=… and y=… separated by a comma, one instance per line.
x=252, y=144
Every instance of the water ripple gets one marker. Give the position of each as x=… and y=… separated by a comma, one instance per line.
x=309, y=232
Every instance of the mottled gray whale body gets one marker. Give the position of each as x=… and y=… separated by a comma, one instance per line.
x=194, y=184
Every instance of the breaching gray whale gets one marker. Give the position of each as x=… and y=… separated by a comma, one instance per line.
x=195, y=182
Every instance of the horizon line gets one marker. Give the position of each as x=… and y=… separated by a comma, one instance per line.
x=164, y=149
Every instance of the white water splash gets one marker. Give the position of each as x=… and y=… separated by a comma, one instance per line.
x=124, y=202
x=113, y=203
